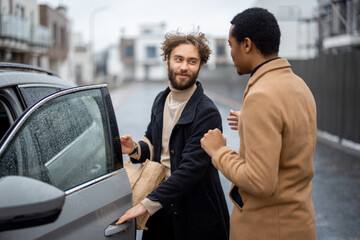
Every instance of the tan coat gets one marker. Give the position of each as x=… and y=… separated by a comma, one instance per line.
x=274, y=166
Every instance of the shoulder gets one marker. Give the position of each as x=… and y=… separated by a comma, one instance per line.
x=160, y=97
x=203, y=101
x=206, y=104
x=207, y=111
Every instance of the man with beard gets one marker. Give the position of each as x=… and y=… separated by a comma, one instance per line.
x=190, y=203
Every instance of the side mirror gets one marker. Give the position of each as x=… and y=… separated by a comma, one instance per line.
x=27, y=202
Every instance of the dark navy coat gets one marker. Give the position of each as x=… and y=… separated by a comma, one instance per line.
x=192, y=197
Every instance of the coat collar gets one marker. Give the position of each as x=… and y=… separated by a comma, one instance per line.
x=188, y=114
x=268, y=67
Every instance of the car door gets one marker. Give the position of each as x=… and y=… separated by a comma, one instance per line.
x=69, y=140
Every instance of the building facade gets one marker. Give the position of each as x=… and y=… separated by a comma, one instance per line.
x=141, y=58
x=339, y=25
x=127, y=57
x=22, y=38
x=80, y=61
x=148, y=62
x=298, y=25
x=56, y=21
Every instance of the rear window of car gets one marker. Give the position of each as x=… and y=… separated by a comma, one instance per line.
x=65, y=142
x=31, y=95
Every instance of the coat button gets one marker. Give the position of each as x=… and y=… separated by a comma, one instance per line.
x=176, y=213
x=171, y=205
x=172, y=151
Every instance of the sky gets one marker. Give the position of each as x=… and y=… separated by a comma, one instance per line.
x=109, y=19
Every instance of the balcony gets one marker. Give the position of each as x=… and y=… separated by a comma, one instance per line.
x=340, y=41
x=16, y=32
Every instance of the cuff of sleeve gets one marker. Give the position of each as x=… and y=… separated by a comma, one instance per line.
x=151, y=206
x=136, y=155
x=218, y=154
x=150, y=146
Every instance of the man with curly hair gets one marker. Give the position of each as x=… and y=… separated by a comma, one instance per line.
x=190, y=203
x=272, y=172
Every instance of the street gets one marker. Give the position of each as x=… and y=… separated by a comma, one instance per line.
x=336, y=185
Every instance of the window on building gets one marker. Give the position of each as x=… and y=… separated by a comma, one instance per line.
x=20, y=11
x=129, y=51
x=147, y=31
x=220, y=51
x=78, y=74
x=53, y=33
x=150, y=52
x=11, y=6
x=63, y=37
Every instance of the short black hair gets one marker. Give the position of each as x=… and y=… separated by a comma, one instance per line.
x=260, y=26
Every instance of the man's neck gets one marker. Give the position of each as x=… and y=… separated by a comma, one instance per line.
x=259, y=59
x=263, y=61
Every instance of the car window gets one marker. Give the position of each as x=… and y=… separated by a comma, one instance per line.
x=64, y=142
x=5, y=119
x=31, y=95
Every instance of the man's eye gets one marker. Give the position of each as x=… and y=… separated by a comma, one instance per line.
x=177, y=59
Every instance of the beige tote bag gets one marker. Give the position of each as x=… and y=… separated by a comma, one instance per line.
x=143, y=181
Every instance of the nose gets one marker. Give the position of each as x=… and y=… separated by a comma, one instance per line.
x=184, y=66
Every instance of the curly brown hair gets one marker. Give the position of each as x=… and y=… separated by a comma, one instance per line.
x=198, y=39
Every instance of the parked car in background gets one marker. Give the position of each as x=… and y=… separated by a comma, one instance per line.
x=61, y=167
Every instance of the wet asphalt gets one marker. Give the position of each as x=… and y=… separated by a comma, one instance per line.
x=336, y=185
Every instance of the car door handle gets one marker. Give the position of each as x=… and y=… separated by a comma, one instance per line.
x=113, y=229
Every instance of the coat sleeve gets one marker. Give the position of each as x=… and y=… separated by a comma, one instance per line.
x=145, y=151
x=145, y=144
x=194, y=160
x=257, y=171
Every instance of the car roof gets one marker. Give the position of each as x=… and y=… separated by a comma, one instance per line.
x=19, y=74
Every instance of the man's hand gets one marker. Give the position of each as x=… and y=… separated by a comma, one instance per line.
x=133, y=212
x=127, y=144
x=212, y=141
x=233, y=119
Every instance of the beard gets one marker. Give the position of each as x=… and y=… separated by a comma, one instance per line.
x=184, y=84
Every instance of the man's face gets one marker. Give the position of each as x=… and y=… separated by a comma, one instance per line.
x=183, y=66
x=237, y=53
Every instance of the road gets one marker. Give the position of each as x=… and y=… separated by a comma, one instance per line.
x=336, y=185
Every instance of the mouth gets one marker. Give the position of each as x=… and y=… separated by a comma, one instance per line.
x=182, y=75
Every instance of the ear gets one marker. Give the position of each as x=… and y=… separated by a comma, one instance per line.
x=167, y=63
x=247, y=43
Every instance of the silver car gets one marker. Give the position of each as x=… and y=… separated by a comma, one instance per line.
x=61, y=167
